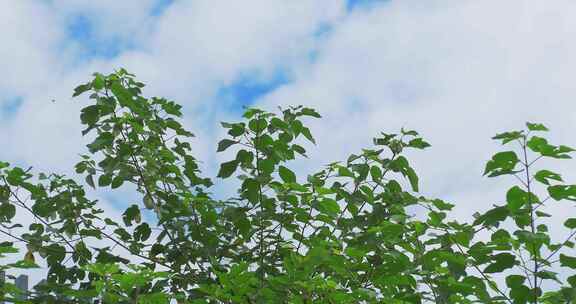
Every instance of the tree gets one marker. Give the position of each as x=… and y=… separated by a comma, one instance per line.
x=357, y=231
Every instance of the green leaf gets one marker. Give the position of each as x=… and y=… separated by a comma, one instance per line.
x=172, y=108
x=236, y=129
x=122, y=94
x=516, y=198
x=98, y=82
x=507, y=137
x=502, y=261
x=148, y=202
x=4, y=193
x=408, y=132
x=81, y=89
x=142, y=232
x=561, y=192
x=401, y=164
x=299, y=149
x=547, y=275
x=541, y=145
x=227, y=169
x=536, y=127
x=375, y=173
x=117, y=181
x=279, y=124
x=258, y=125
x=286, y=175
x=224, y=144
x=7, y=212
x=266, y=166
x=343, y=171
x=362, y=170
x=418, y=143
x=355, y=253
x=250, y=112
x=90, y=115
x=250, y=187
x=412, y=178
x=570, y=223
x=567, y=261
x=6, y=247
x=310, y=112
x=501, y=236
x=244, y=226
x=542, y=228
x=90, y=180
x=535, y=240
x=24, y=264
x=16, y=176
x=544, y=175
x=542, y=214
x=501, y=163
x=245, y=158
x=308, y=135
x=132, y=214
x=329, y=206
x=442, y=205
x=493, y=216
x=104, y=180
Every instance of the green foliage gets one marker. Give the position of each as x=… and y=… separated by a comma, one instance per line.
x=356, y=231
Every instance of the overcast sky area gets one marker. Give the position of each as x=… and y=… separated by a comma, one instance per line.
x=457, y=71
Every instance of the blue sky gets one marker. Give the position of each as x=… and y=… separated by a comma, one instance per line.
x=80, y=29
x=10, y=106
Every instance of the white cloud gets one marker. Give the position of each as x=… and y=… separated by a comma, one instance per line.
x=189, y=52
x=27, y=50
x=457, y=71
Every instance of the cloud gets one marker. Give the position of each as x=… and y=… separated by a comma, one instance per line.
x=443, y=69
x=27, y=52
x=189, y=52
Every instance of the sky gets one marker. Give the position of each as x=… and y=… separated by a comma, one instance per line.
x=456, y=71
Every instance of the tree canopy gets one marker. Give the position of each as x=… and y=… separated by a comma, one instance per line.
x=356, y=231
